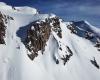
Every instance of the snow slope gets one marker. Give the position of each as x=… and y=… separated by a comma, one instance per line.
x=15, y=64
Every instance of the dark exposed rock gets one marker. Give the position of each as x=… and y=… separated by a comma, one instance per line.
x=2, y=29
x=37, y=38
x=71, y=28
x=38, y=34
x=57, y=61
x=89, y=35
x=67, y=56
x=95, y=63
x=3, y=21
x=32, y=56
x=9, y=17
x=60, y=48
x=97, y=44
x=84, y=30
x=56, y=26
x=69, y=50
x=98, y=49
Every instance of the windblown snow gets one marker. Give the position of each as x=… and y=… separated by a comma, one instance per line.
x=83, y=57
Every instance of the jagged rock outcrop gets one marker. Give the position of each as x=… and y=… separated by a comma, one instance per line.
x=39, y=33
x=56, y=26
x=58, y=51
x=3, y=21
x=37, y=37
x=67, y=56
x=94, y=62
x=2, y=29
x=97, y=45
x=71, y=27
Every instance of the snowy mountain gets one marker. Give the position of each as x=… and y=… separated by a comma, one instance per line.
x=36, y=46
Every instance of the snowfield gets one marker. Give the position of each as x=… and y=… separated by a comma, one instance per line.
x=16, y=65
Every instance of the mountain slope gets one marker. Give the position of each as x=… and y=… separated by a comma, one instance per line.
x=64, y=50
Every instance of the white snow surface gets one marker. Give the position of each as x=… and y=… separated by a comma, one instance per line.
x=27, y=10
x=15, y=64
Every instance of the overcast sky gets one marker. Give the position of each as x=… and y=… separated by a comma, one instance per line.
x=67, y=9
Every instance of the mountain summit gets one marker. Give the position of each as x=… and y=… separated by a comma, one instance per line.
x=36, y=46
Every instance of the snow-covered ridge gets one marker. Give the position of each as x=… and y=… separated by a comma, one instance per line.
x=23, y=9
x=4, y=6
x=69, y=49
x=27, y=10
x=87, y=26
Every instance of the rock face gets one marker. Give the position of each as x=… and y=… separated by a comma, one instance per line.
x=37, y=37
x=2, y=29
x=95, y=63
x=67, y=56
x=56, y=26
x=83, y=29
x=97, y=45
x=39, y=33
x=3, y=21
